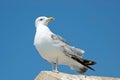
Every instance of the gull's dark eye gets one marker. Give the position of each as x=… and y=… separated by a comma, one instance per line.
x=41, y=19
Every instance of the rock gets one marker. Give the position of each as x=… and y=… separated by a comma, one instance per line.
x=49, y=75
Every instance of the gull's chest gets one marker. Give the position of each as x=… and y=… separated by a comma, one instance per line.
x=42, y=39
x=42, y=36
x=44, y=44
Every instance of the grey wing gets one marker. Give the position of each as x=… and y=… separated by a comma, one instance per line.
x=76, y=54
x=58, y=38
x=66, y=48
x=72, y=52
x=77, y=51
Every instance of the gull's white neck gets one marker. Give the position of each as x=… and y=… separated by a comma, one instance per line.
x=42, y=28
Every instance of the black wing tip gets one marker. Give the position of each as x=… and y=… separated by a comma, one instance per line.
x=88, y=62
x=91, y=68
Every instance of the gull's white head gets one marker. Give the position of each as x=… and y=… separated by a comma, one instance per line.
x=43, y=20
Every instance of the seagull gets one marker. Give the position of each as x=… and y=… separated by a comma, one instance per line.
x=57, y=51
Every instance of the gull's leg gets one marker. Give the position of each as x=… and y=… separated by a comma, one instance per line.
x=55, y=66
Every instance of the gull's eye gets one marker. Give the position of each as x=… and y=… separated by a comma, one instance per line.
x=41, y=19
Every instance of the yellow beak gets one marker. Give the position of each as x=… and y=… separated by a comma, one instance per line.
x=50, y=19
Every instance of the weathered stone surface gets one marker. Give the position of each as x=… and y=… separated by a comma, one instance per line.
x=48, y=75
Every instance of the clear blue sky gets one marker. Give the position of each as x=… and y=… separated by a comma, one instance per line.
x=92, y=25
